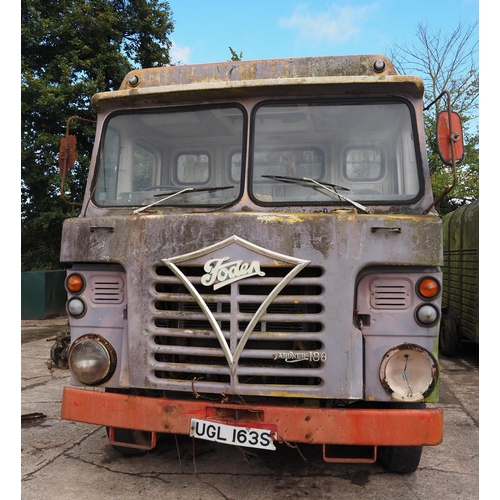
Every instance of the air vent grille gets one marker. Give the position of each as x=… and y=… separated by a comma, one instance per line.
x=106, y=289
x=389, y=294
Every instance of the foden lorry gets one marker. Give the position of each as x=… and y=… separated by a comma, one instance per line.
x=257, y=260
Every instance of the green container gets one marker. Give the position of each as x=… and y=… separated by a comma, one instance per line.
x=460, y=319
x=42, y=294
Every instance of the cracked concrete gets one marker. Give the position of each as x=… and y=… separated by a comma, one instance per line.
x=63, y=460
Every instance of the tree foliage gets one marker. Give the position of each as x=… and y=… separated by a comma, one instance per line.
x=235, y=56
x=72, y=49
x=447, y=60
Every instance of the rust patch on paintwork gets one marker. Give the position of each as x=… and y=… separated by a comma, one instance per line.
x=237, y=71
x=233, y=79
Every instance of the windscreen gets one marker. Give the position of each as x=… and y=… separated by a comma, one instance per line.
x=170, y=157
x=321, y=153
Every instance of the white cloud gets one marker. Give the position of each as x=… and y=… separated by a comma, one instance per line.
x=179, y=54
x=337, y=24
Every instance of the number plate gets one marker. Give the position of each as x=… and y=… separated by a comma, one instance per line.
x=232, y=434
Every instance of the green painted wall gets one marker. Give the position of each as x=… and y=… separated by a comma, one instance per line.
x=42, y=294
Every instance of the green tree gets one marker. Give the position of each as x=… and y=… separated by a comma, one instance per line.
x=72, y=49
x=447, y=60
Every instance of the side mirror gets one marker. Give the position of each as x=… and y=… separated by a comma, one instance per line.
x=450, y=141
x=67, y=154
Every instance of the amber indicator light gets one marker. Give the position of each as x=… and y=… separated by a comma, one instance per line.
x=428, y=288
x=74, y=283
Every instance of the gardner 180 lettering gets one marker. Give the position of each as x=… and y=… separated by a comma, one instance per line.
x=294, y=357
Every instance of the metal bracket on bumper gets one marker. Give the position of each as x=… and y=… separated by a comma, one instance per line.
x=146, y=446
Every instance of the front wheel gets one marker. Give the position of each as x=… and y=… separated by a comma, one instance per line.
x=400, y=459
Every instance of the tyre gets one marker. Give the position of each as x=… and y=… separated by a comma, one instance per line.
x=448, y=336
x=400, y=459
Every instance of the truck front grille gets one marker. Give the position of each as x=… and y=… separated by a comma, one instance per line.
x=283, y=349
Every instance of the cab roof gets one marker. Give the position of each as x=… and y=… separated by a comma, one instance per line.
x=268, y=77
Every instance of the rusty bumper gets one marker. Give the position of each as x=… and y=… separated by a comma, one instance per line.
x=339, y=426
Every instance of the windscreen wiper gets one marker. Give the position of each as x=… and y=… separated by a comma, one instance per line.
x=176, y=193
x=325, y=185
x=304, y=179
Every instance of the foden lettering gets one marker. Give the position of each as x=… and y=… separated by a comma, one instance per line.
x=221, y=273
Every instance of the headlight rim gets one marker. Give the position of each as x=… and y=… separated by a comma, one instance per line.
x=108, y=349
x=433, y=364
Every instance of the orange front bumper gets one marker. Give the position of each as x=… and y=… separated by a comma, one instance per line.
x=296, y=424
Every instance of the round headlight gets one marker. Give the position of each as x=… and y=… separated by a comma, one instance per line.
x=427, y=315
x=92, y=360
x=408, y=372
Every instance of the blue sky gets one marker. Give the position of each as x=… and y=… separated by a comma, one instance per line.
x=266, y=29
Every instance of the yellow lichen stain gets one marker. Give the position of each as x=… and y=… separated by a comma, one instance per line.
x=284, y=394
x=273, y=219
x=149, y=212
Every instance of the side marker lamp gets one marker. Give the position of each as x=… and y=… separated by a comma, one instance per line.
x=427, y=315
x=76, y=307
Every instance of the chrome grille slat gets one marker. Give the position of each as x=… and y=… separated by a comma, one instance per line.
x=209, y=335
x=196, y=369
